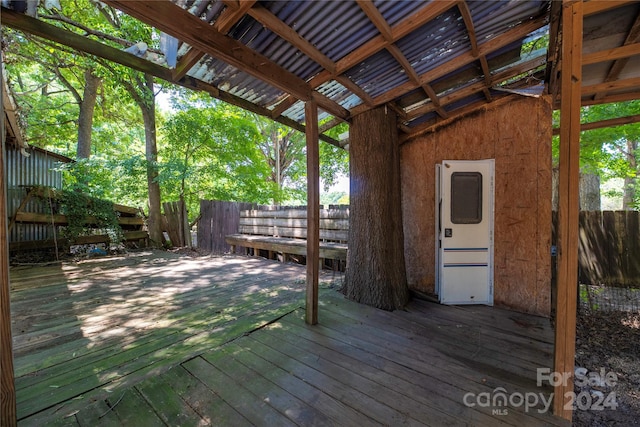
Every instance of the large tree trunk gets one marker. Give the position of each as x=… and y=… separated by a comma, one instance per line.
x=85, y=118
x=376, y=272
x=154, y=222
x=589, y=192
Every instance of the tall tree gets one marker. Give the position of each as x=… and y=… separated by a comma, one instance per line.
x=85, y=117
x=376, y=275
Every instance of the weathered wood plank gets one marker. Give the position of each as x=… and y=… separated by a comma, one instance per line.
x=286, y=403
x=208, y=404
x=246, y=302
x=59, y=219
x=435, y=407
x=257, y=411
x=98, y=414
x=328, y=250
x=168, y=404
x=333, y=408
x=301, y=233
x=133, y=410
x=349, y=396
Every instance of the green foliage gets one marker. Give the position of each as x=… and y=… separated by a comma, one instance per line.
x=209, y=151
x=78, y=207
x=612, y=152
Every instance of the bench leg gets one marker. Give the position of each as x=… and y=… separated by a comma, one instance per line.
x=233, y=249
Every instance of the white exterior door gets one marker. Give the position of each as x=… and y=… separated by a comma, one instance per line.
x=464, y=216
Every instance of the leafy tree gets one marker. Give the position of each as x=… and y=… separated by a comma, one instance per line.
x=611, y=152
x=210, y=151
x=614, y=151
x=284, y=149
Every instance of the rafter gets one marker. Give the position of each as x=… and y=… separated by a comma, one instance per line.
x=609, y=123
x=473, y=41
x=199, y=35
x=478, y=87
x=378, y=20
x=598, y=6
x=484, y=49
x=627, y=84
x=427, y=13
x=622, y=52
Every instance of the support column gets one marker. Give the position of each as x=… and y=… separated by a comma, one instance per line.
x=7, y=386
x=313, y=211
x=568, y=207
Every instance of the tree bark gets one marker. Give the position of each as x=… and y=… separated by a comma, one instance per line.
x=589, y=192
x=147, y=106
x=376, y=272
x=85, y=118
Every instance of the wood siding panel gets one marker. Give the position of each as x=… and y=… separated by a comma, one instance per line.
x=518, y=135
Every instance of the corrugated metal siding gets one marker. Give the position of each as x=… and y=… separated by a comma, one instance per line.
x=37, y=169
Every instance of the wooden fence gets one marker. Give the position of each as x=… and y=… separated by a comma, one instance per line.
x=609, y=248
x=217, y=220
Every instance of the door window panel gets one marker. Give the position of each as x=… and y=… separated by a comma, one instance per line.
x=466, y=198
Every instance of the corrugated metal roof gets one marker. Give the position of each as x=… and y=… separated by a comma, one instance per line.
x=378, y=74
x=335, y=28
x=436, y=42
x=395, y=11
x=432, y=35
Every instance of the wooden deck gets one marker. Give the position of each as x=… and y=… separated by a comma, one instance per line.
x=222, y=341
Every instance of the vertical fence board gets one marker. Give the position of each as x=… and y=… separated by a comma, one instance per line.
x=217, y=220
x=609, y=250
x=633, y=245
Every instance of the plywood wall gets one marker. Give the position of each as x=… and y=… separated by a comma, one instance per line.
x=517, y=134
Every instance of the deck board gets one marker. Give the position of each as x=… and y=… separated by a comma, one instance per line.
x=226, y=344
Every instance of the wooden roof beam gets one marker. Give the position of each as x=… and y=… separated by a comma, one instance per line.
x=598, y=6
x=200, y=35
x=484, y=49
x=427, y=13
x=385, y=30
x=478, y=87
x=473, y=40
x=277, y=26
x=609, y=123
x=632, y=84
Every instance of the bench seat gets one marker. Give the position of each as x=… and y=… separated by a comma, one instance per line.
x=286, y=245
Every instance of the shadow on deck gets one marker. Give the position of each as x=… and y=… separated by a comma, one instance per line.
x=427, y=365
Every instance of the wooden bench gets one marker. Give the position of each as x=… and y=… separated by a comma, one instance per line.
x=284, y=232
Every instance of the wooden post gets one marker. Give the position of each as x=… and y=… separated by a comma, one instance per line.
x=313, y=211
x=568, y=207
x=7, y=386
